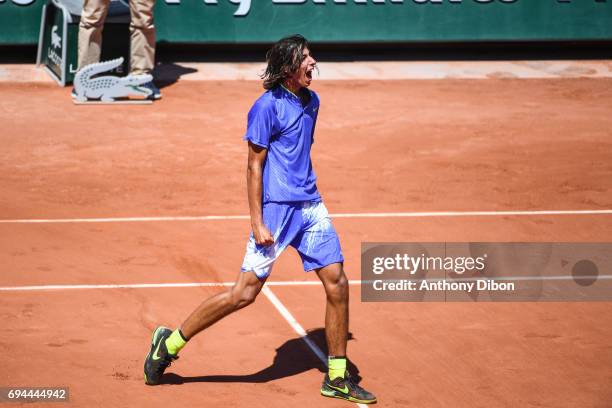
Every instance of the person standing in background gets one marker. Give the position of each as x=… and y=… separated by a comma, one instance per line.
x=142, y=37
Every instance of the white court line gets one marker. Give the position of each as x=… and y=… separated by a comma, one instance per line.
x=339, y=215
x=125, y=219
x=528, y=278
x=154, y=285
x=297, y=327
x=280, y=283
x=470, y=213
x=293, y=323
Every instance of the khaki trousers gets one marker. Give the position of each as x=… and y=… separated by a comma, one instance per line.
x=142, y=34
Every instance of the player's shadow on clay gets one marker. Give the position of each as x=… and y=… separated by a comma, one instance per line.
x=292, y=357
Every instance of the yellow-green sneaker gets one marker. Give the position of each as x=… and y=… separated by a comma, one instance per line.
x=346, y=388
x=158, y=358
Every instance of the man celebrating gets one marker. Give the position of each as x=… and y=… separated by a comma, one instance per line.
x=286, y=209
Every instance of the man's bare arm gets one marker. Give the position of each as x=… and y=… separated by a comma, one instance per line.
x=257, y=157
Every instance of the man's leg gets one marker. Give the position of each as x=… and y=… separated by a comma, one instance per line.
x=142, y=42
x=166, y=343
x=336, y=310
x=142, y=37
x=338, y=382
x=90, y=31
x=213, y=309
x=256, y=267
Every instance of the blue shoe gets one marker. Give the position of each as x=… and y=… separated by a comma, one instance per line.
x=156, y=94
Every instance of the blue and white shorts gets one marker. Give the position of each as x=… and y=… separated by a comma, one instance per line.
x=306, y=226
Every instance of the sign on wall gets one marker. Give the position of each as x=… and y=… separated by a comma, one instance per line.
x=250, y=21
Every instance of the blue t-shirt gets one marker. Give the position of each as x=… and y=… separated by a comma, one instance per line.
x=278, y=122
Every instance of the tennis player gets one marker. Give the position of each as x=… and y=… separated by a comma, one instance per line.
x=286, y=209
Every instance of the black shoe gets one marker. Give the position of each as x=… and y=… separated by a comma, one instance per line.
x=345, y=388
x=155, y=92
x=73, y=93
x=158, y=358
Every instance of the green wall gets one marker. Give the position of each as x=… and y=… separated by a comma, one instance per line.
x=19, y=24
x=247, y=21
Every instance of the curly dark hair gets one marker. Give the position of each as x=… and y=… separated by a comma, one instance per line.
x=284, y=58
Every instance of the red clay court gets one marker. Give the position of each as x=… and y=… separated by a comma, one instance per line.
x=95, y=195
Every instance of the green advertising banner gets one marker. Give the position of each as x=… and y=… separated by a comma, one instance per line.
x=256, y=21
x=20, y=21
